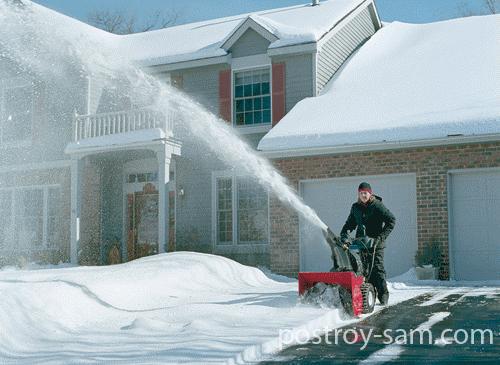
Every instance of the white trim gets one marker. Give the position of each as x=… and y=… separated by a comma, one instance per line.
x=473, y=170
x=45, y=165
x=250, y=62
x=293, y=49
x=340, y=25
x=200, y=62
x=261, y=127
x=75, y=150
x=314, y=74
x=451, y=259
x=374, y=7
x=248, y=23
x=326, y=179
x=379, y=146
x=251, y=129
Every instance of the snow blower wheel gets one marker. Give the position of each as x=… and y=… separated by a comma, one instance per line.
x=368, y=293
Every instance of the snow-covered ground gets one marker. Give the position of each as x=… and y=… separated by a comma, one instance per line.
x=180, y=307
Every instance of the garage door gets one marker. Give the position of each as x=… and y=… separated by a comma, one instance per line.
x=475, y=225
x=332, y=200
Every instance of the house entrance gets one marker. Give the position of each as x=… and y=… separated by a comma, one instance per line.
x=141, y=215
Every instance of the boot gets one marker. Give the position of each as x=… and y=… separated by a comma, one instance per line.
x=384, y=299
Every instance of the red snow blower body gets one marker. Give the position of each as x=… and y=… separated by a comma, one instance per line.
x=351, y=268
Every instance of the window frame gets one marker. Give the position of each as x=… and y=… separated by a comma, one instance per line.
x=14, y=83
x=44, y=244
x=251, y=128
x=234, y=194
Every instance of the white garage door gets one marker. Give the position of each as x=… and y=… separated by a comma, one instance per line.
x=475, y=224
x=332, y=200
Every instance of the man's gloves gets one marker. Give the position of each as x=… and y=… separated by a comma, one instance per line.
x=345, y=243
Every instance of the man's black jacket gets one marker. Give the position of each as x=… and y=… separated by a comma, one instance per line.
x=377, y=219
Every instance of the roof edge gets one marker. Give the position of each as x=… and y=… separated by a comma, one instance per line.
x=379, y=146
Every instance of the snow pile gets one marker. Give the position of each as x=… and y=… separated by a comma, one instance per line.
x=169, y=308
x=409, y=82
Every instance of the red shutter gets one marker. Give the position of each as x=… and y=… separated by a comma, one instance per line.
x=225, y=95
x=278, y=87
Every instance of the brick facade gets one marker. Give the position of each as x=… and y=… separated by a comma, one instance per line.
x=430, y=164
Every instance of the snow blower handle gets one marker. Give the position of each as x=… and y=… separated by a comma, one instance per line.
x=334, y=240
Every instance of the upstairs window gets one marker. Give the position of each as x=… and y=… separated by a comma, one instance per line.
x=16, y=113
x=252, y=97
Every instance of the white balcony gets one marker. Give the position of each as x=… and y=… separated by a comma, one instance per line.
x=123, y=130
x=106, y=124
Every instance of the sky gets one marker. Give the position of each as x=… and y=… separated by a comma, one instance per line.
x=411, y=11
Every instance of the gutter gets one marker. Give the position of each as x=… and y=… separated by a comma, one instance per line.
x=379, y=146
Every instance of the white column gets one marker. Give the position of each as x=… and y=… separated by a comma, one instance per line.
x=163, y=200
x=76, y=197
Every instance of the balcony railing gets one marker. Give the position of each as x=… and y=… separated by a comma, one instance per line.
x=105, y=124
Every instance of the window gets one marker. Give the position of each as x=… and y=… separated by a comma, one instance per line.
x=141, y=178
x=225, y=210
x=6, y=228
x=241, y=208
x=16, y=113
x=31, y=217
x=252, y=97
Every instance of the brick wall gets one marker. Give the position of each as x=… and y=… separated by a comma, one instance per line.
x=431, y=166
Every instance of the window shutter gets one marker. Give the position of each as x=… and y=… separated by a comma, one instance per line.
x=225, y=95
x=278, y=87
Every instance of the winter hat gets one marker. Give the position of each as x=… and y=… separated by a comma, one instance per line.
x=364, y=186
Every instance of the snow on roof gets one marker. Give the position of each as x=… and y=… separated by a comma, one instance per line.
x=408, y=82
x=291, y=25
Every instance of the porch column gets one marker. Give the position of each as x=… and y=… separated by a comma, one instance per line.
x=164, y=155
x=163, y=201
x=76, y=194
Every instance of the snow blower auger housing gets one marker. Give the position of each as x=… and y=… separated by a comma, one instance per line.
x=351, y=268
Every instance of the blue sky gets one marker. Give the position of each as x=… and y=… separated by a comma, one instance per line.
x=413, y=11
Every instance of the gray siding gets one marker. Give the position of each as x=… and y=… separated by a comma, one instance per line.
x=202, y=84
x=194, y=209
x=298, y=78
x=249, y=44
x=340, y=46
x=52, y=123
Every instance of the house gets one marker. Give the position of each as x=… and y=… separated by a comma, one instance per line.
x=416, y=113
x=104, y=180
x=331, y=97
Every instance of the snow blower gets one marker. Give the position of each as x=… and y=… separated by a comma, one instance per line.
x=346, y=284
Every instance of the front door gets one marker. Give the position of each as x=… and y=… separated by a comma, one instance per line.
x=142, y=222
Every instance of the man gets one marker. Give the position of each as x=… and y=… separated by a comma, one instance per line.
x=378, y=221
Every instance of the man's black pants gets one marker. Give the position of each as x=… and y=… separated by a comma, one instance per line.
x=377, y=276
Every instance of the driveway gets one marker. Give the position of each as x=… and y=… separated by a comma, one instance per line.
x=447, y=329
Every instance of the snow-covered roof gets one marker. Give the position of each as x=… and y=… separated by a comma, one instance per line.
x=291, y=25
x=408, y=82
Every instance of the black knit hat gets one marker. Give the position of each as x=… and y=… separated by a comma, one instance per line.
x=364, y=186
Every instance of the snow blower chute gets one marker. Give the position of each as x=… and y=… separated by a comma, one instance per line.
x=346, y=284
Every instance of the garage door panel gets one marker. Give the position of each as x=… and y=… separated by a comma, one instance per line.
x=332, y=200
x=470, y=237
x=475, y=224
x=470, y=213
x=477, y=266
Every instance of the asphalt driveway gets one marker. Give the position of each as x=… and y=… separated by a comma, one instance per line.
x=456, y=326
